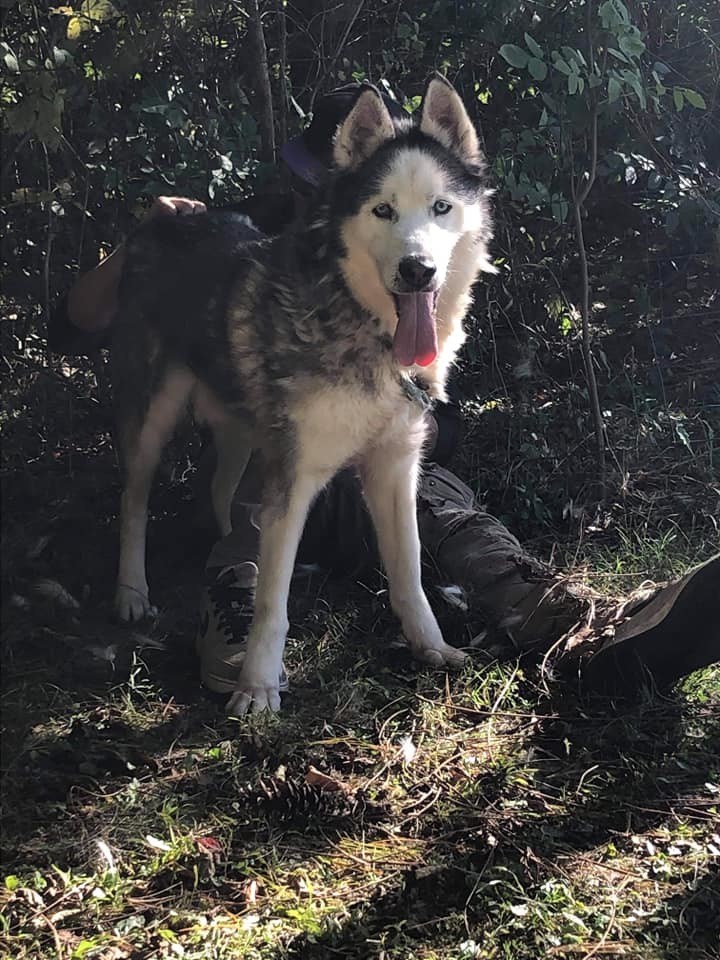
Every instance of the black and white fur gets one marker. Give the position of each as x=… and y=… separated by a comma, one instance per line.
x=285, y=346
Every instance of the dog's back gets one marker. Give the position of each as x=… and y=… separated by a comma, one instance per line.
x=176, y=267
x=177, y=280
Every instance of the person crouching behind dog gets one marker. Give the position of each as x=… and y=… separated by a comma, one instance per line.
x=516, y=593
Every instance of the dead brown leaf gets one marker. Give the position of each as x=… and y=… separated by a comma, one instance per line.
x=315, y=778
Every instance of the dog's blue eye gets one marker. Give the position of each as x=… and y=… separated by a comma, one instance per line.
x=441, y=207
x=384, y=211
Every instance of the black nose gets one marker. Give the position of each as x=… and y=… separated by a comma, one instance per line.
x=416, y=273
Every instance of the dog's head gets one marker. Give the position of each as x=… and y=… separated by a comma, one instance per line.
x=407, y=194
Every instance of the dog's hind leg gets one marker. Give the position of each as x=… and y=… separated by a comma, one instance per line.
x=389, y=485
x=233, y=448
x=142, y=438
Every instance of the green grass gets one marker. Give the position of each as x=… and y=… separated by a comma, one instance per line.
x=498, y=814
x=484, y=815
x=641, y=551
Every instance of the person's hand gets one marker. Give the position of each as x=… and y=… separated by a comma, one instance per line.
x=176, y=206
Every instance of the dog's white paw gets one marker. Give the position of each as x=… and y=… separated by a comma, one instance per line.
x=424, y=637
x=258, y=686
x=253, y=699
x=440, y=655
x=132, y=605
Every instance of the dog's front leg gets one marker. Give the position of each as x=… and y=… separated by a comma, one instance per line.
x=281, y=525
x=390, y=486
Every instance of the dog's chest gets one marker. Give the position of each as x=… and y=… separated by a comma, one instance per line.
x=339, y=423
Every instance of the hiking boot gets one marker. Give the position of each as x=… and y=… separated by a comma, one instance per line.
x=226, y=613
x=669, y=634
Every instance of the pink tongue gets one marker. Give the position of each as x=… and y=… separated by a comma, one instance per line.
x=415, y=336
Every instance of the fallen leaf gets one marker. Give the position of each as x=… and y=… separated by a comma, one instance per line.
x=408, y=750
x=116, y=953
x=32, y=897
x=157, y=844
x=67, y=936
x=108, y=653
x=250, y=891
x=106, y=854
x=300, y=885
x=61, y=915
x=315, y=778
x=209, y=844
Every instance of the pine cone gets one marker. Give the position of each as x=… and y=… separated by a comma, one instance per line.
x=297, y=800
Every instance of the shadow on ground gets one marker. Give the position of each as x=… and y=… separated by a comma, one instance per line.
x=530, y=802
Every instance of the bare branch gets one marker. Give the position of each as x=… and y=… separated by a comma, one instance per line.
x=580, y=193
x=282, y=43
x=587, y=187
x=339, y=50
x=262, y=81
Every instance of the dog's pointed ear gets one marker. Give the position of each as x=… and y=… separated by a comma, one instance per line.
x=444, y=117
x=366, y=126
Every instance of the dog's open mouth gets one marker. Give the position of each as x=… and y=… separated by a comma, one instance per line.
x=415, y=339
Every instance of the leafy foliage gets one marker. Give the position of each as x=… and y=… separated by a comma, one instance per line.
x=528, y=823
x=108, y=104
x=614, y=74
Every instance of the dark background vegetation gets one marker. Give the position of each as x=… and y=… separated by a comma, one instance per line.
x=107, y=105
x=533, y=822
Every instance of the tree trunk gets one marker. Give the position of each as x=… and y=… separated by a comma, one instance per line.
x=263, y=91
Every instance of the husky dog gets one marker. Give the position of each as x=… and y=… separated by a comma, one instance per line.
x=317, y=347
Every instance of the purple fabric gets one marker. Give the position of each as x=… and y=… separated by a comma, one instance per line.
x=302, y=163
